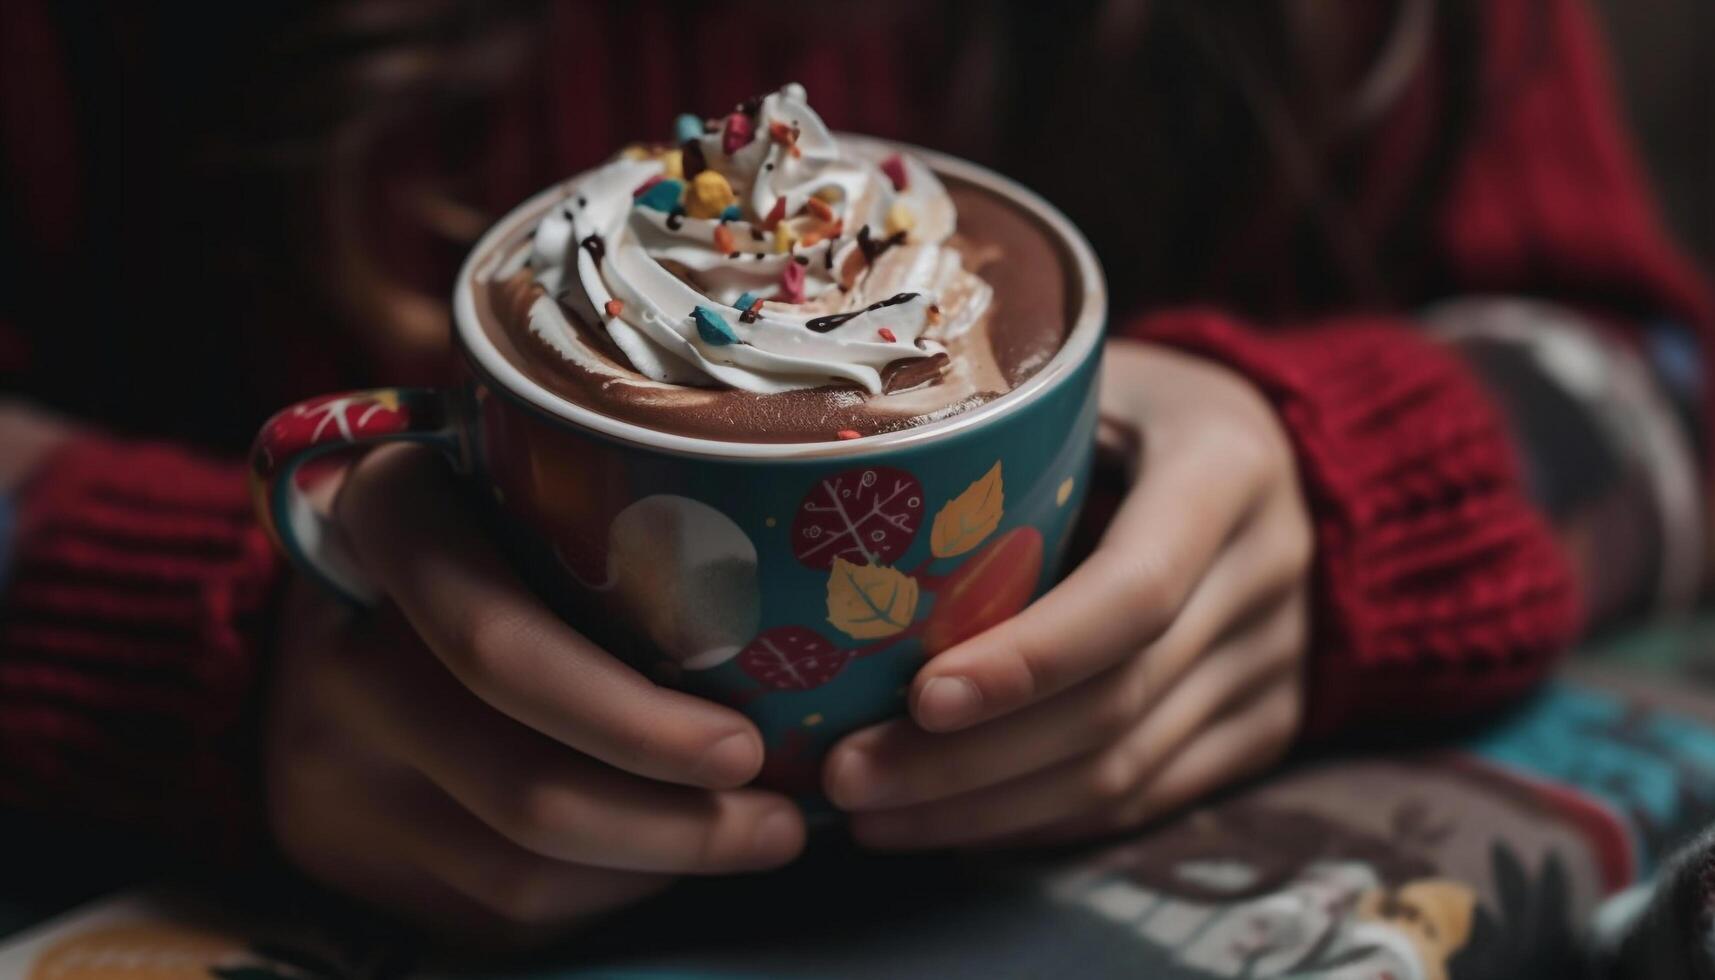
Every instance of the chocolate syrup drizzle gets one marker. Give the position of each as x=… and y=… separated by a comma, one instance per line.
x=873, y=249
x=596, y=247
x=823, y=324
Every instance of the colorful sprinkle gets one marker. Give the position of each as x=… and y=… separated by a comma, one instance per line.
x=673, y=164
x=687, y=127
x=894, y=168
x=740, y=130
x=816, y=235
x=752, y=312
x=732, y=213
x=710, y=195
x=643, y=188
x=661, y=195
x=614, y=307
x=776, y=214
x=791, y=283
x=831, y=194
x=713, y=328
x=888, y=335
x=781, y=133
x=723, y=239
x=849, y=434
x=784, y=237
x=933, y=316
x=900, y=220
x=820, y=209
x=745, y=301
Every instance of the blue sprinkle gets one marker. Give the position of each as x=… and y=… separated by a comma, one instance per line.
x=744, y=301
x=713, y=328
x=687, y=127
x=732, y=213
x=664, y=196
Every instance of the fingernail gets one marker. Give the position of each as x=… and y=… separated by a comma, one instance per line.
x=777, y=837
x=857, y=783
x=731, y=761
x=948, y=702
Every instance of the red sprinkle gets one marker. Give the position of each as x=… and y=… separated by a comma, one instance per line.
x=888, y=335
x=739, y=132
x=782, y=133
x=791, y=284
x=613, y=307
x=776, y=214
x=849, y=434
x=894, y=168
x=723, y=240
x=820, y=209
x=643, y=188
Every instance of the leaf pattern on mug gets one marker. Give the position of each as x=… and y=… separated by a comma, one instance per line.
x=970, y=517
x=868, y=515
x=870, y=601
x=792, y=658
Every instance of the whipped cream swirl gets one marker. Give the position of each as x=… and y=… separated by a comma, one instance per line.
x=761, y=253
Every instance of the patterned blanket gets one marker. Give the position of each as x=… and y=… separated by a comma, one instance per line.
x=1561, y=841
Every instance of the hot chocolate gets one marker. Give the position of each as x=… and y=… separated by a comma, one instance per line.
x=762, y=280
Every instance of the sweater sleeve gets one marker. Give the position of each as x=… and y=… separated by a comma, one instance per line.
x=128, y=640
x=1440, y=588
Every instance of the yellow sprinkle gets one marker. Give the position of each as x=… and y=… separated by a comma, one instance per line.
x=899, y=218
x=830, y=194
x=783, y=238
x=709, y=195
x=810, y=721
x=636, y=151
x=673, y=165
x=1064, y=493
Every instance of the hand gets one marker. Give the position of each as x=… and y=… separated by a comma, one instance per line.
x=1163, y=667
x=461, y=756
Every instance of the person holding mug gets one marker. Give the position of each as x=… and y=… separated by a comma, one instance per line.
x=1336, y=509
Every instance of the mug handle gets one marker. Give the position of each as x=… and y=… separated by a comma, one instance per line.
x=317, y=427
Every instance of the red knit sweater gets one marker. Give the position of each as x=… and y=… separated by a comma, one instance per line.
x=133, y=629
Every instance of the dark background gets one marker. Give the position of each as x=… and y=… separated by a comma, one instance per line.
x=1665, y=67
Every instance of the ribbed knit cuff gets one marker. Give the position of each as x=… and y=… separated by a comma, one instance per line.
x=1440, y=590
x=129, y=642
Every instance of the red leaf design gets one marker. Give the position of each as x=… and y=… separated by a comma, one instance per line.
x=868, y=517
x=792, y=658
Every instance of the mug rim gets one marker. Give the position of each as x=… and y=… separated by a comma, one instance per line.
x=1082, y=340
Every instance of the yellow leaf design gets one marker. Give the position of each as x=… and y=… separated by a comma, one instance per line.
x=968, y=518
x=869, y=601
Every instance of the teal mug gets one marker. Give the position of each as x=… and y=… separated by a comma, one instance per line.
x=803, y=584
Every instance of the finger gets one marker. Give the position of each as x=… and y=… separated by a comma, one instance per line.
x=1258, y=580
x=396, y=842
x=1099, y=781
x=1159, y=546
x=899, y=764
x=407, y=528
x=1244, y=744
x=548, y=799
